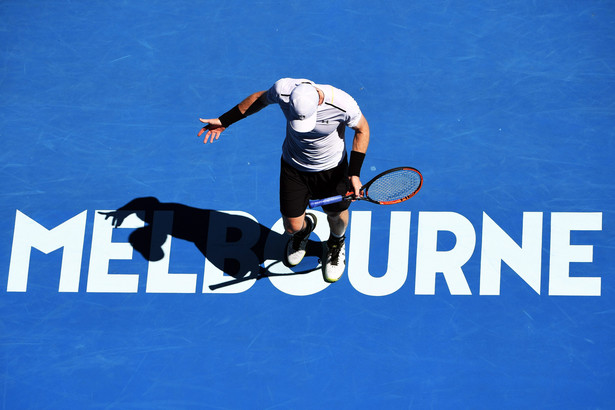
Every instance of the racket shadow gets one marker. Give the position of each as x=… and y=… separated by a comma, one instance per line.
x=260, y=274
x=235, y=244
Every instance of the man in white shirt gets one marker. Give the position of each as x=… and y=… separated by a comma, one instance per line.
x=314, y=161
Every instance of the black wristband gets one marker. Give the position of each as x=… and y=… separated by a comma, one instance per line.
x=231, y=116
x=355, y=163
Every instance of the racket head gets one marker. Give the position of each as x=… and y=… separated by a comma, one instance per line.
x=393, y=186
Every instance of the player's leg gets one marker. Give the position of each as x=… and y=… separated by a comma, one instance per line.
x=338, y=222
x=292, y=225
x=296, y=246
x=334, y=255
x=294, y=196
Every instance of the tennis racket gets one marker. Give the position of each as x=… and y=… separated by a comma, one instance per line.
x=390, y=187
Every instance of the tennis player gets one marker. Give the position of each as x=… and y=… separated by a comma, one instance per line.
x=314, y=160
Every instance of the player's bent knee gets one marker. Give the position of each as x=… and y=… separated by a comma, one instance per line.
x=293, y=225
x=335, y=215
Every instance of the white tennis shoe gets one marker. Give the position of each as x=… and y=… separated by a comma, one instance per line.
x=334, y=259
x=295, y=248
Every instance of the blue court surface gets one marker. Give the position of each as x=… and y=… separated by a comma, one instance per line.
x=492, y=288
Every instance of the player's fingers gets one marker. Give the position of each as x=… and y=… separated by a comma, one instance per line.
x=211, y=135
x=206, y=137
x=201, y=132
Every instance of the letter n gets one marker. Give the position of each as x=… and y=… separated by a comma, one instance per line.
x=498, y=247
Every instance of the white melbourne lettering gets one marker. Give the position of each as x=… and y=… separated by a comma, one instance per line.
x=399, y=248
x=430, y=261
x=563, y=253
x=104, y=250
x=497, y=247
x=30, y=234
x=213, y=274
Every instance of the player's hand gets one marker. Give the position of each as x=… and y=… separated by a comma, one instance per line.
x=214, y=128
x=117, y=217
x=356, y=184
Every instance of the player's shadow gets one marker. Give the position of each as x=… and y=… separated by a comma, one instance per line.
x=235, y=244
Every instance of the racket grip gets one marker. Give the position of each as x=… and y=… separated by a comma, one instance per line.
x=326, y=201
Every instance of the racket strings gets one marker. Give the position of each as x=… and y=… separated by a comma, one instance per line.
x=395, y=185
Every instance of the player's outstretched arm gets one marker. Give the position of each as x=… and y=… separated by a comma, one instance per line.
x=215, y=126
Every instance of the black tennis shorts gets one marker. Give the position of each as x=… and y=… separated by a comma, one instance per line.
x=298, y=187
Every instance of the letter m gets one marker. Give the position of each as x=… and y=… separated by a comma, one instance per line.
x=30, y=234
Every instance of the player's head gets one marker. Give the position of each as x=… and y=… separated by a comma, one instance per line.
x=303, y=107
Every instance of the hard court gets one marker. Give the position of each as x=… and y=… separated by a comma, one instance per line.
x=492, y=288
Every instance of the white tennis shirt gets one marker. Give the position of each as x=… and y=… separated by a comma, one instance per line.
x=324, y=147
